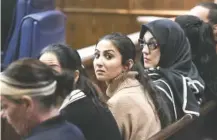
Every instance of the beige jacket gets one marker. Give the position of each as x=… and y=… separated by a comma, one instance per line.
x=132, y=108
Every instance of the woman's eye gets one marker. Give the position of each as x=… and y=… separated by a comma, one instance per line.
x=108, y=56
x=96, y=55
x=151, y=46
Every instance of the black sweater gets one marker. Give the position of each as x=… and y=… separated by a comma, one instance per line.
x=95, y=120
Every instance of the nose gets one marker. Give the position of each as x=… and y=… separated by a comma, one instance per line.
x=145, y=50
x=98, y=62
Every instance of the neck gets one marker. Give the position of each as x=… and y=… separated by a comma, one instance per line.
x=48, y=114
x=122, y=81
x=38, y=117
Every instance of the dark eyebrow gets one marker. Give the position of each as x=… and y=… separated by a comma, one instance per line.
x=109, y=51
x=106, y=51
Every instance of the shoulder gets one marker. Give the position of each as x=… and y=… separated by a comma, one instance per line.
x=131, y=102
x=74, y=96
x=63, y=132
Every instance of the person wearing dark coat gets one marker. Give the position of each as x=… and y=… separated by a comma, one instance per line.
x=167, y=59
x=29, y=91
x=81, y=104
x=201, y=38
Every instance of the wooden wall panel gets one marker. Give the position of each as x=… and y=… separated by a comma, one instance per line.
x=142, y=4
x=112, y=4
x=88, y=20
x=79, y=3
x=84, y=29
x=165, y=4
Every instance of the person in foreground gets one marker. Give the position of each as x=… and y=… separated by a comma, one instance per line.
x=29, y=91
x=132, y=99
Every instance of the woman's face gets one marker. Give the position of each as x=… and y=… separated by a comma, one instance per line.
x=51, y=60
x=15, y=114
x=151, y=51
x=107, y=62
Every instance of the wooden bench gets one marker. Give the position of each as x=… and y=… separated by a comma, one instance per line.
x=182, y=123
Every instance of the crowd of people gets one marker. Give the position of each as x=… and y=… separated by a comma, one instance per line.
x=52, y=97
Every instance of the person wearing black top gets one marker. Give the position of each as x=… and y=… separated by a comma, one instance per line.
x=166, y=49
x=201, y=38
x=81, y=104
x=29, y=92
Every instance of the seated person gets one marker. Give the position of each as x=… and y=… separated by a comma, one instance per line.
x=200, y=36
x=81, y=105
x=207, y=11
x=29, y=91
x=132, y=99
x=167, y=59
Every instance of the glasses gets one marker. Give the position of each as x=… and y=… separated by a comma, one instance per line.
x=152, y=45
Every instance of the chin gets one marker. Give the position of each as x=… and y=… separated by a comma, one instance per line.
x=147, y=66
x=100, y=78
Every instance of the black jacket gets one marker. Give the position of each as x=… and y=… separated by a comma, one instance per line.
x=95, y=120
x=176, y=65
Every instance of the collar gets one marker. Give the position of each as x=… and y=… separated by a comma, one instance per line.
x=48, y=124
x=124, y=80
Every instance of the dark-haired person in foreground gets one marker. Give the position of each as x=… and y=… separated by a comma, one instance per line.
x=29, y=92
x=81, y=105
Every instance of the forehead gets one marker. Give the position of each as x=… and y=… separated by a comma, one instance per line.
x=49, y=58
x=200, y=12
x=105, y=45
x=148, y=35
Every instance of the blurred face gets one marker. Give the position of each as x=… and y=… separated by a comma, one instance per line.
x=107, y=62
x=200, y=12
x=151, y=51
x=15, y=114
x=51, y=60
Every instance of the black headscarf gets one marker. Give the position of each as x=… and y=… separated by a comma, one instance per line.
x=176, y=65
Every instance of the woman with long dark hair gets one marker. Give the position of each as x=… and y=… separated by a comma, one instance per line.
x=201, y=38
x=132, y=98
x=81, y=105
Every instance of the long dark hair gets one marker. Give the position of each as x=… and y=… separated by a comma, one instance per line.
x=201, y=38
x=68, y=57
x=70, y=60
x=128, y=51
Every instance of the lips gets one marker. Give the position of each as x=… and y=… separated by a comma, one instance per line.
x=100, y=71
x=146, y=59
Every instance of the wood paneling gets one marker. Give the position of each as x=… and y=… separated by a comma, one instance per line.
x=79, y=3
x=112, y=4
x=84, y=29
x=88, y=20
x=166, y=4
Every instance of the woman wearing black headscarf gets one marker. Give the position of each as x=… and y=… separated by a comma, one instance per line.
x=167, y=59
